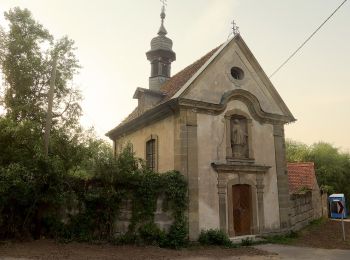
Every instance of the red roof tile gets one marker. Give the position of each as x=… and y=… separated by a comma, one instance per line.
x=301, y=175
x=175, y=83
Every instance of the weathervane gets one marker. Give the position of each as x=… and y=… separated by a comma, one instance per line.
x=235, y=28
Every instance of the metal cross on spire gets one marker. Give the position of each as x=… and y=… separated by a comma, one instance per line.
x=235, y=28
x=162, y=30
x=164, y=4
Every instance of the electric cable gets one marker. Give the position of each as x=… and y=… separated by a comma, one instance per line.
x=309, y=38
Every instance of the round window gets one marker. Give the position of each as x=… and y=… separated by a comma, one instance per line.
x=237, y=73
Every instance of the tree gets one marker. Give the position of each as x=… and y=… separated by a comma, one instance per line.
x=296, y=151
x=332, y=166
x=32, y=186
x=27, y=52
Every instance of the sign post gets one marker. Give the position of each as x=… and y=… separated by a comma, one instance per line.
x=340, y=209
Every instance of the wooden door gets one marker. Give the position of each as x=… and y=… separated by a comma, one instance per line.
x=242, y=209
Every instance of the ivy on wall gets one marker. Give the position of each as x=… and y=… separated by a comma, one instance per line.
x=88, y=209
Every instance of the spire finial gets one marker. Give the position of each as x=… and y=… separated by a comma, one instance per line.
x=162, y=30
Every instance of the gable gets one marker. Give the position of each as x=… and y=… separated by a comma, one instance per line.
x=176, y=82
x=208, y=80
x=214, y=79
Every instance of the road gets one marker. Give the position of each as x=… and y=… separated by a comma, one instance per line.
x=301, y=253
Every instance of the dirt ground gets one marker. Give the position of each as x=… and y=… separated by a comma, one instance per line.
x=327, y=234
x=48, y=249
x=324, y=234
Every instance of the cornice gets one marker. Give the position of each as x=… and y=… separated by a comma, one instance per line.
x=240, y=168
x=150, y=116
x=246, y=97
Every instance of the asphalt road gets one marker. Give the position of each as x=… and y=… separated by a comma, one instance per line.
x=301, y=253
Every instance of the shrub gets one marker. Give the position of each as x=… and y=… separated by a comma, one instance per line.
x=177, y=236
x=151, y=234
x=214, y=237
x=247, y=242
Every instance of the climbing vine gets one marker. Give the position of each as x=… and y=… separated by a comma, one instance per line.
x=98, y=202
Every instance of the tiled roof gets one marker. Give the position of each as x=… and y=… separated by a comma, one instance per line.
x=135, y=113
x=175, y=83
x=300, y=176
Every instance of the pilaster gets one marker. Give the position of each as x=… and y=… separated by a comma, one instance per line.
x=282, y=176
x=186, y=162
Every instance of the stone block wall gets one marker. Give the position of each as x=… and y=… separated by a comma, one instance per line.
x=306, y=207
x=163, y=219
x=302, y=211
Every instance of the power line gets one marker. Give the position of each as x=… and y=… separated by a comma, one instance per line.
x=302, y=45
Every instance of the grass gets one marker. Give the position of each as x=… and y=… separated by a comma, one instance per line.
x=282, y=239
x=315, y=223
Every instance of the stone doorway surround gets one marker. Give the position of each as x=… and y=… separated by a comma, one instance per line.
x=236, y=172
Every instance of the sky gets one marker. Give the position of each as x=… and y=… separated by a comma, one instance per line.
x=112, y=37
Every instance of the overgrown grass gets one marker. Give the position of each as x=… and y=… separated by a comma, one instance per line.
x=282, y=239
x=316, y=223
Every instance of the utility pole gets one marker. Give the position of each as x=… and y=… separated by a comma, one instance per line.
x=50, y=104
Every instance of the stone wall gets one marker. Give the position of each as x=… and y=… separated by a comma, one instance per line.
x=163, y=219
x=306, y=207
x=301, y=210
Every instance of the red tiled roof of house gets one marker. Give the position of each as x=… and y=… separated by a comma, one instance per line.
x=301, y=175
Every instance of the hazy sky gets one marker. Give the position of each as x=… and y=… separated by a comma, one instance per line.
x=112, y=37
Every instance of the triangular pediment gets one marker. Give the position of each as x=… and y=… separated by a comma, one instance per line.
x=215, y=79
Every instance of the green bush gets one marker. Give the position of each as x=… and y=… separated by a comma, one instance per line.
x=177, y=236
x=126, y=239
x=247, y=242
x=151, y=234
x=214, y=237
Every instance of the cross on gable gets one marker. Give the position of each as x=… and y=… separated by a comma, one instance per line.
x=235, y=28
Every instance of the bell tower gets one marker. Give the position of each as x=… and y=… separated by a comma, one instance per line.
x=160, y=56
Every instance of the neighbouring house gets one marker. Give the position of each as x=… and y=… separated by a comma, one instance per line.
x=308, y=202
x=220, y=122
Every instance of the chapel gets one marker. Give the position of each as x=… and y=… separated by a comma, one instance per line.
x=219, y=122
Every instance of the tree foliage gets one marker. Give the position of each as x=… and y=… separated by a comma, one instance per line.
x=27, y=53
x=332, y=166
x=75, y=192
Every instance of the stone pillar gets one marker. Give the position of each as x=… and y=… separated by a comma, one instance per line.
x=282, y=177
x=260, y=192
x=222, y=190
x=186, y=162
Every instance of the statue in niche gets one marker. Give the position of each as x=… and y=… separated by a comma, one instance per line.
x=239, y=138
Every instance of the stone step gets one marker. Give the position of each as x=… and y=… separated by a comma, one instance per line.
x=253, y=238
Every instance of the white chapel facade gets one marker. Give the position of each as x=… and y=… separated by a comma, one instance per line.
x=220, y=122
